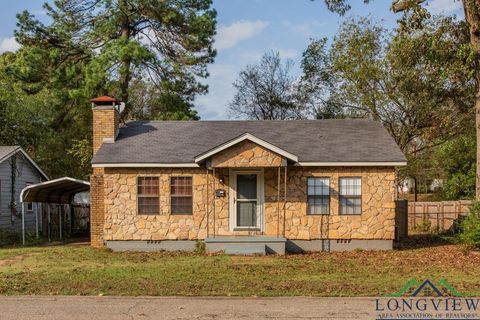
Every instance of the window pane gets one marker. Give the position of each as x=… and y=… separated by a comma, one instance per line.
x=148, y=186
x=148, y=205
x=148, y=195
x=247, y=186
x=181, y=186
x=247, y=214
x=318, y=186
x=350, y=186
x=181, y=205
x=181, y=190
x=318, y=196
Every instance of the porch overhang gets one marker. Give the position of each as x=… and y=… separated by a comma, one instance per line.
x=244, y=137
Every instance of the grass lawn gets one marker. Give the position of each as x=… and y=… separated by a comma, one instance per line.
x=81, y=270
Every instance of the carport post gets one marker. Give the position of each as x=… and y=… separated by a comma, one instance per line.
x=36, y=220
x=60, y=214
x=23, y=223
x=48, y=222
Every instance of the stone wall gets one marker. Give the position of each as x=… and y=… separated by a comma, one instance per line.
x=246, y=154
x=122, y=222
x=377, y=220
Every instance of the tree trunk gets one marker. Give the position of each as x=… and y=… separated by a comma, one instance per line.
x=125, y=72
x=472, y=15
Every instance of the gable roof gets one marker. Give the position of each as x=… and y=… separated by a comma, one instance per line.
x=7, y=151
x=243, y=137
x=314, y=142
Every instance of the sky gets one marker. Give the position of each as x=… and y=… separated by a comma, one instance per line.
x=246, y=30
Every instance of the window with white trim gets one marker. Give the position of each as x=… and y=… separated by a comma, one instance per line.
x=350, y=195
x=29, y=204
x=318, y=195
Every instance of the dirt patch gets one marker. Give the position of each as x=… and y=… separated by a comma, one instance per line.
x=15, y=259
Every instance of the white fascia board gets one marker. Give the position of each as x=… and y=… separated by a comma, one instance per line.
x=145, y=165
x=352, y=164
x=250, y=137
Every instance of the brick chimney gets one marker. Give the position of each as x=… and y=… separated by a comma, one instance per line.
x=105, y=121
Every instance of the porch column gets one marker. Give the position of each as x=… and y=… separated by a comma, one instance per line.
x=207, y=207
x=278, y=201
x=284, y=200
x=214, y=198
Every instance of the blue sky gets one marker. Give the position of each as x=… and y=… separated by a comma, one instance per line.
x=246, y=30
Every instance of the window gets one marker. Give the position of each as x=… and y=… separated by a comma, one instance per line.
x=29, y=204
x=181, y=195
x=318, y=196
x=148, y=195
x=350, y=195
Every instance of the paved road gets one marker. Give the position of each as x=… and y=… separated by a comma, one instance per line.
x=119, y=308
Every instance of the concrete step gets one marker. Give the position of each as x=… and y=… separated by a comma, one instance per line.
x=245, y=249
x=246, y=245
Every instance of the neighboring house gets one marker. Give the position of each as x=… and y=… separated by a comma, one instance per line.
x=13, y=159
x=242, y=186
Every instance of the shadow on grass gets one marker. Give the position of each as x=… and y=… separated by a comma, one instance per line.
x=420, y=241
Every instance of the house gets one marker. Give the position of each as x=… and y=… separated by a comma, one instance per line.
x=17, y=171
x=241, y=186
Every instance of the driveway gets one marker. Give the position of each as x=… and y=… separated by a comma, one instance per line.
x=118, y=308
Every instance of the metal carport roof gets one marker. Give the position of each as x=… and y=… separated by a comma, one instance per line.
x=57, y=191
x=60, y=190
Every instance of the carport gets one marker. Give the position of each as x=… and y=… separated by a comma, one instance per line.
x=59, y=191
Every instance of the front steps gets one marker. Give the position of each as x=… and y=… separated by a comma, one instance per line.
x=245, y=245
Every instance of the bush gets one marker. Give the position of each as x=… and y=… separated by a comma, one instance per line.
x=200, y=247
x=469, y=227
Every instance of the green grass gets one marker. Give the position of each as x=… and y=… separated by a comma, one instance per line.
x=81, y=270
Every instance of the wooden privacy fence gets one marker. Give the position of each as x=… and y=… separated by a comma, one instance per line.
x=436, y=217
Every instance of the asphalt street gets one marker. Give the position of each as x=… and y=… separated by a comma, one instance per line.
x=201, y=308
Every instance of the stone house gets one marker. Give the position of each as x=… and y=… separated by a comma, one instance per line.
x=241, y=186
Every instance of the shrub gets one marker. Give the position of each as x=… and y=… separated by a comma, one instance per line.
x=469, y=227
x=200, y=247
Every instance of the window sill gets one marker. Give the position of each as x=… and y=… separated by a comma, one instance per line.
x=246, y=229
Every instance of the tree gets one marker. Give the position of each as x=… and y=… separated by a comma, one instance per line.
x=472, y=17
x=168, y=42
x=149, y=103
x=268, y=91
x=417, y=82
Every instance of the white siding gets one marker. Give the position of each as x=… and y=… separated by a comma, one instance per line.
x=26, y=172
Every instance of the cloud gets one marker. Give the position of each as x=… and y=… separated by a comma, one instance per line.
x=307, y=28
x=214, y=105
x=9, y=44
x=444, y=6
x=229, y=36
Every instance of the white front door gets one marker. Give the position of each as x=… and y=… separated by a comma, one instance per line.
x=246, y=205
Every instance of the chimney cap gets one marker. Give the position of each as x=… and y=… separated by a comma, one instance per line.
x=104, y=99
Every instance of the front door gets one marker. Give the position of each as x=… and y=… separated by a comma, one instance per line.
x=246, y=201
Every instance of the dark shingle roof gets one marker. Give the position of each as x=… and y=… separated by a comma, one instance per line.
x=310, y=140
